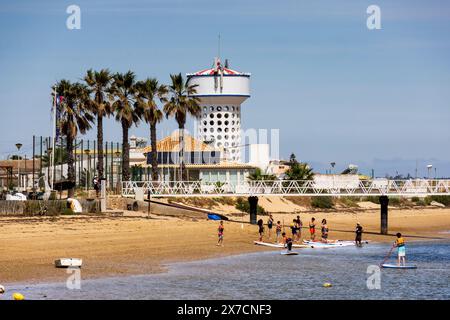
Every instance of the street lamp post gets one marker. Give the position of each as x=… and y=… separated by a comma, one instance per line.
x=332, y=166
x=87, y=152
x=18, y=146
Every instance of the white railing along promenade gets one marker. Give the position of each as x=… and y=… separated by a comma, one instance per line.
x=376, y=187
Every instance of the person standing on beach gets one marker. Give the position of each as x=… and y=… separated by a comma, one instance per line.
x=261, y=229
x=220, y=233
x=96, y=184
x=312, y=228
x=299, y=227
x=270, y=224
x=324, y=231
x=278, y=230
x=401, y=249
x=358, y=231
x=294, y=229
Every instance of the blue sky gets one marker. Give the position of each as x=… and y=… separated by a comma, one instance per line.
x=336, y=90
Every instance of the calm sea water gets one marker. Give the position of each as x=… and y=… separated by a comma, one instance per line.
x=269, y=275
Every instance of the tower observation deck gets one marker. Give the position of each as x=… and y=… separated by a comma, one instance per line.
x=221, y=91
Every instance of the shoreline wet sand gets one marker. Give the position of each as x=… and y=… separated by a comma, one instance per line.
x=118, y=246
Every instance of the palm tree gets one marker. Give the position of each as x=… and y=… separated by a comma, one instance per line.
x=147, y=92
x=299, y=171
x=182, y=102
x=99, y=84
x=258, y=175
x=123, y=90
x=74, y=118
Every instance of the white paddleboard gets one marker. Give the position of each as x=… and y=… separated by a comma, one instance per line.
x=278, y=245
x=394, y=266
x=318, y=244
x=289, y=253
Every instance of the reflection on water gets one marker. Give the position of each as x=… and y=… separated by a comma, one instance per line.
x=269, y=275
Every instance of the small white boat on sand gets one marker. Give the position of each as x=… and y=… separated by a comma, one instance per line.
x=68, y=262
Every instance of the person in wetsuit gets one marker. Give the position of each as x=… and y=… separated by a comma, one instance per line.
x=299, y=227
x=270, y=224
x=324, y=231
x=294, y=229
x=358, y=231
x=261, y=229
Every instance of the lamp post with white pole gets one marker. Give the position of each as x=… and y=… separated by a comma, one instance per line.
x=18, y=146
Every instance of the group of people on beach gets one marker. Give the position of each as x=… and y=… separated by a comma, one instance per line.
x=296, y=230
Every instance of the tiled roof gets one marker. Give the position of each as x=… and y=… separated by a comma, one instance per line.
x=222, y=165
x=171, y=144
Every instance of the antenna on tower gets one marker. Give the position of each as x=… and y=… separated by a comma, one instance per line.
x=218, y=47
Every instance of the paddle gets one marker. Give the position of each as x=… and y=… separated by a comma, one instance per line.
x=388, y=255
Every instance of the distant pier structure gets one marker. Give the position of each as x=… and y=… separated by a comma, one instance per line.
x=221, y=91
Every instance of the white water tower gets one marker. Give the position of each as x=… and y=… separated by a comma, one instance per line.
x=221, y=91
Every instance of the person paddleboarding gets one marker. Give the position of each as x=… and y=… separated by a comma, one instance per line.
x=401, y=249
x=287, y=242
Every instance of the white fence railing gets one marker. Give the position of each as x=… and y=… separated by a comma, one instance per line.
x=377, y=187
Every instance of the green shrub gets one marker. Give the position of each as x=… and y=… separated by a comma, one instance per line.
x=373, y=199
x=394, y=201
x=52, y=195
x=445, y=200
x=415, y=199
x=349, y=202
x=322, y=202
x=67, y=212
x=244, y=206
x=421, y=203
x=224, y=200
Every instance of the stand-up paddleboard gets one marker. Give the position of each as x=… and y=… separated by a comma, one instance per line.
x=318, y=244
x=278, y=245
x=394, y=266
x=336, y=243
x=289, y=253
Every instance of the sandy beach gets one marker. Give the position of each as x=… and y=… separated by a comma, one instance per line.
x=111, y=246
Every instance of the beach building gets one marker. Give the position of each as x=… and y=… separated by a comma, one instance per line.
x=19, y=173
x=202, y=161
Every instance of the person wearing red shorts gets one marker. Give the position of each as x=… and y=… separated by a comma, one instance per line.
x=312, y=228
